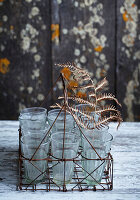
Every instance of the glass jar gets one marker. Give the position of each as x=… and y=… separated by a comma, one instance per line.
x=34, y=170
x=93, y=166
x=63, y=170
x=59, y=124
x=98, y=133
x=33, y=118
x=86, y=109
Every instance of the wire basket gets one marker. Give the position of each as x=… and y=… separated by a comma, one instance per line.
x=79, y=179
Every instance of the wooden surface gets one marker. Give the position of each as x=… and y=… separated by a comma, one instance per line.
x=128, y=58
x=81, y=36
x=125, y=151
x=25, y=55
x=101, y=36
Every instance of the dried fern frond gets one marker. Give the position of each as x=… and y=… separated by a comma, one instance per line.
x=105, y=120
x=82, y=112
x=72, y=67
x=107, y=108
x=86, y=78
x=79, y=122
x=75, y=110
x=78, y=77
x=85, y=87
x=79, y=100
x=78, y=72
x=67, y=65
x=57, y=105
x=77, y=119
x=71, y=110
x=82, y=116
x=92, y=94
x=106, y=96
x=101, y=84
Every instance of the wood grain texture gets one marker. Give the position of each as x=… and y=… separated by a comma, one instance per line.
x=101, y=36
x=25, y=64
x=87, y=37
x=128, y=58
x=126, y=154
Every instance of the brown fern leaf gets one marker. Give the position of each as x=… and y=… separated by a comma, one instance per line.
x=57, y=105
x=67, y=65
x=86, y=78
x=79, y=100
x=83, y=73
x=70, y=110
x=85, y=87
x=106, y=96
x=101, y=84
x=74, y=110
x=78, y=77
x=78, y=72
x=92, y=95
x=81, y=115
x=86, y=117
x=89, y=124
x=82, y=112
x=103, y=121
x=107, y=108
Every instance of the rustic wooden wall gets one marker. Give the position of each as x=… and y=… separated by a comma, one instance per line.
x=100, y=35
x=25, y=59
x=128, y=58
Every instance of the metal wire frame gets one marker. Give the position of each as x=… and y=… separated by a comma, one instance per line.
x=78, y=181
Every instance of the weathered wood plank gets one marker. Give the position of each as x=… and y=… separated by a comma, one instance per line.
x=68, y=196
x=25, y=58
x=128, y=58
x=82, y=31
x=125, y=139
x=126, y=173
x=126, y=166
x=86, y=35
x=9, y=135
x=9, y=169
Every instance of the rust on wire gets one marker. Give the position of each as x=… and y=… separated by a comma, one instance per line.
x=46, y=134
x=78, y=182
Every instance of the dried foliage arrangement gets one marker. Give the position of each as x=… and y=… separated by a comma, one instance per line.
x=81, y=89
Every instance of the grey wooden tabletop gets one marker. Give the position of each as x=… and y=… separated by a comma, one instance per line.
x=125, y=151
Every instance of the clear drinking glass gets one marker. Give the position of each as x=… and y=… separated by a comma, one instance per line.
x=63, y=170
x=94, y=169
x=87, y=109
x=36, y=135
x=98, y=134
x=34, y=140
x=33, y=169
x=108, y=140
x=33, y=118
x=59, y=124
